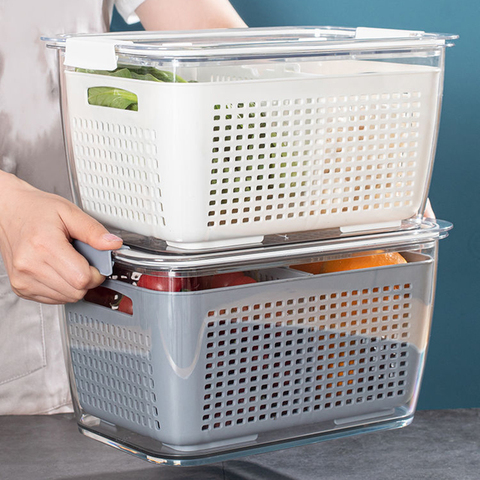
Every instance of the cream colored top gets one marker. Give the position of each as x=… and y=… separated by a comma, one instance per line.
x=33, y=379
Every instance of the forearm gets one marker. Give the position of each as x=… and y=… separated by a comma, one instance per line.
x=9, y=183
x=188, y=15
x=6, y=179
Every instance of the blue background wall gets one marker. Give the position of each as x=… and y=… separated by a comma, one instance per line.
x=452, y=376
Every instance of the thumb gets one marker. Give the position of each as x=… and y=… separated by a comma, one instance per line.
x=83, y=227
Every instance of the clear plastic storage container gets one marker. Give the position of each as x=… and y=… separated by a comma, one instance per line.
x=216, y=138
x=194, y=358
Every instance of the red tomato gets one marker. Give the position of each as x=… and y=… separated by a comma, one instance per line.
x=126, y=305
x=224, y=279
x=164, y=283
x=102, y=296
x=229, y=280
x=244, y=280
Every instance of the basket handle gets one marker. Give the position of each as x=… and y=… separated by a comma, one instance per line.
x=100, y=259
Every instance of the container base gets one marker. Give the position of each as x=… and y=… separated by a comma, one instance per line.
x=239, y=450
x=203, y=446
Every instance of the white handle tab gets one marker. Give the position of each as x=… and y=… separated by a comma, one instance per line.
x=92, y=52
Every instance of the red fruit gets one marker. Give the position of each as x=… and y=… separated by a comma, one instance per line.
x=126, y=305
x=164, y=283
x=102, y=296
x=230, y=280
x=224, y=279
x=244, y=280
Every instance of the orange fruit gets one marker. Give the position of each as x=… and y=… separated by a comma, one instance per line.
x=352, y=263
x=309, y=267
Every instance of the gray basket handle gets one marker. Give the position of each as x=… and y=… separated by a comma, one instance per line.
x=100, y=259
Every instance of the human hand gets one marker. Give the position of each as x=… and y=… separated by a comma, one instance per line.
x=35, y=233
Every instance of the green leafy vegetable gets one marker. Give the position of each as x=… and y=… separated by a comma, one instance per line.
x=118, y=98
x=139, y=73
x=113, y=98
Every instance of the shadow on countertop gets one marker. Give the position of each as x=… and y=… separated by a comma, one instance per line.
x=232, y=470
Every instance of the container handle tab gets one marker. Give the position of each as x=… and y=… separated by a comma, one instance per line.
x=100, y=259
x=92, y=52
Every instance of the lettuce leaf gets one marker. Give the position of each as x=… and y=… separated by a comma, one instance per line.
x=123, y=99
x=113, y=98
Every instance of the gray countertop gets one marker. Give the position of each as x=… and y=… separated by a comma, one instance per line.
x=439, y=445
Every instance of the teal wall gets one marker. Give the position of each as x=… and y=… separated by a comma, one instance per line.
x=452, y=376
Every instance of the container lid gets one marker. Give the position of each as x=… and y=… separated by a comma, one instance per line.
x=106, y=50
x=277, y=254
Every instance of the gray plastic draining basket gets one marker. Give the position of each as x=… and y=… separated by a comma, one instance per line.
x=198, y=370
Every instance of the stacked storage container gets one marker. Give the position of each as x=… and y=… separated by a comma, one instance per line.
x=236, y=165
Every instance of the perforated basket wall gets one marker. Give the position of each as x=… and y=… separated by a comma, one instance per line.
x=245, y=153
x=197, y=368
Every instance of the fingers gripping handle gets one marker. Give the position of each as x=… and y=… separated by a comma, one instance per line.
x=100, y=259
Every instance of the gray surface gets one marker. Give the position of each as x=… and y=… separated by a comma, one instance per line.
x=439, y=445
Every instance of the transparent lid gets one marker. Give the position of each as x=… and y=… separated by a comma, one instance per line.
x=278, y=254
x=235, y=44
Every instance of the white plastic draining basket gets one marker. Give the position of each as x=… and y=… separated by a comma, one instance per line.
x=245, y=151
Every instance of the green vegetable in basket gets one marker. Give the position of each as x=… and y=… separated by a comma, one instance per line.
x=113, y=98
x=118, y=98
x=139, y=73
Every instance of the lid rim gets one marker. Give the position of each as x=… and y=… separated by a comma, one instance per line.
x=243, y=42
x=428, y=231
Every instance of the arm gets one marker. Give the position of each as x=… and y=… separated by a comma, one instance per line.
x=188, y=15
x=35, y=233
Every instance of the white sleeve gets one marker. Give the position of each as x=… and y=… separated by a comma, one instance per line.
x=126, y=8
